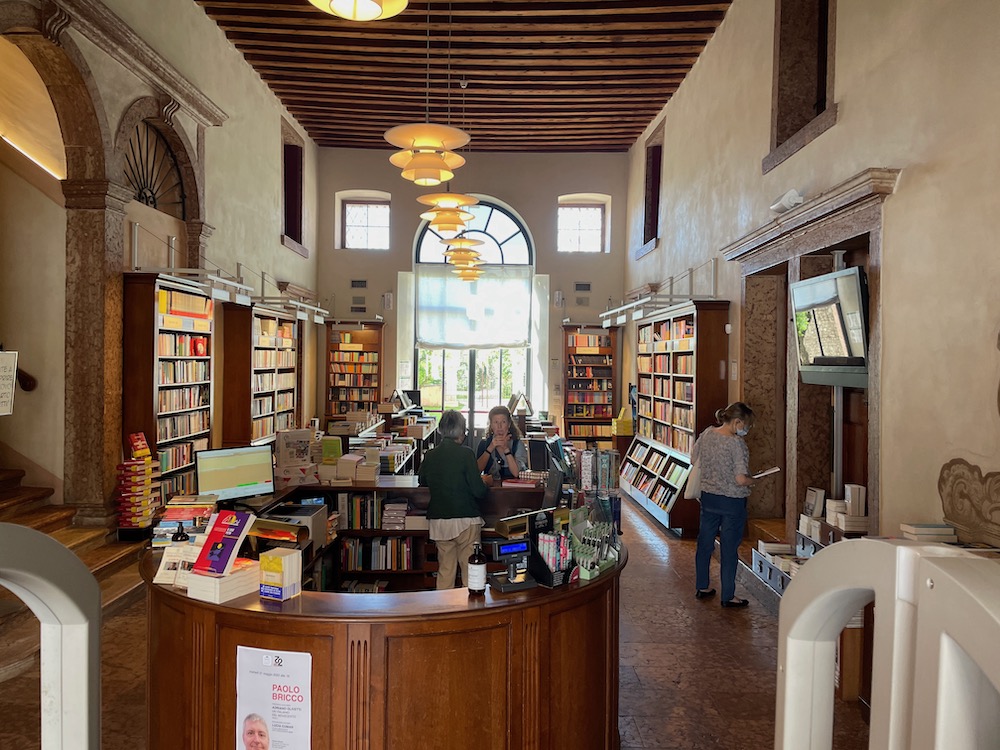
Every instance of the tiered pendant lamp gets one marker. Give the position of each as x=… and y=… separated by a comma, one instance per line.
x=447, y=200
x=428, y=155
x=361, y=10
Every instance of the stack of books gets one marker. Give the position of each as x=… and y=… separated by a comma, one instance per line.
x=139, y=498
x=188, y=513
x=929, y=532
x=394, y=516
x=243, y=579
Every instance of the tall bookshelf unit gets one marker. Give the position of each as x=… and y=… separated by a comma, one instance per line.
x=260, y=394
x=590, y=382
x=167, y=373
x=681, y=371
x=353, y=367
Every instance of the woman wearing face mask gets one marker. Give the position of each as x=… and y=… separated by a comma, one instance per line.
x=723, y=459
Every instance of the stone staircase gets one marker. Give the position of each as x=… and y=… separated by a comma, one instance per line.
x=114, y=564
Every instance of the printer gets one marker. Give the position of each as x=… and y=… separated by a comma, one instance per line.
x=312, y=517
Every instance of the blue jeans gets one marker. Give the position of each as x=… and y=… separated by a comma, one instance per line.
x=729, y=514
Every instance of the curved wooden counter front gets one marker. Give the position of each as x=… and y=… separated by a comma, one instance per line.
x=433, y=670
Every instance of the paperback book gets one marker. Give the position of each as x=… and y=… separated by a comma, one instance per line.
x=225, y=535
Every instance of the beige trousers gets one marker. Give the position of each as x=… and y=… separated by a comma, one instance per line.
x=455, y=552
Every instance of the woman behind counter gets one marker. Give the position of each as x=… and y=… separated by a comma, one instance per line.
x=502, y=447
x=723, y=458
x=456, y=488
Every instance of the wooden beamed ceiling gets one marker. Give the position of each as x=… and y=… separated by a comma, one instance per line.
x=552, y=75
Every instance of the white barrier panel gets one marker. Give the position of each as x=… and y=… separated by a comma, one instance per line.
x=66, y=598
x=818, y=603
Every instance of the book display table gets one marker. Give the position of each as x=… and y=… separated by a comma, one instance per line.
x=434, y=669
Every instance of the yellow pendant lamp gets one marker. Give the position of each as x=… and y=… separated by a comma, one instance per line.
x=461, y=243
x=468, y=274
x=427, y=156
x=447, y=214
x=464, y=260
x=361, y=10
x=447, y=200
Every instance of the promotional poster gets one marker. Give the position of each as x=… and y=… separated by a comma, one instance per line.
x=273, y=699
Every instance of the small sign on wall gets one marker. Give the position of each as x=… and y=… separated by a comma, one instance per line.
x=8, y=379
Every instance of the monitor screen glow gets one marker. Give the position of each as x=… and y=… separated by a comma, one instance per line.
x=234, y=473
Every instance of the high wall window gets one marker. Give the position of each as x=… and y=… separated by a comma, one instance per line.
x=365, y=225
x=805, y=32
x=292, y=178
x=651, y=191
x=580, y=228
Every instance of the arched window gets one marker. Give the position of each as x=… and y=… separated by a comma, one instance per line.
x=473, y=340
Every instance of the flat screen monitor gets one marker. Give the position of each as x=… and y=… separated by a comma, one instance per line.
x=553, y=488
x=831, y=328
x=235, y=473
x=414, y=397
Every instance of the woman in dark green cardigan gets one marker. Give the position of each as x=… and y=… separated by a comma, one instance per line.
x=457, y=488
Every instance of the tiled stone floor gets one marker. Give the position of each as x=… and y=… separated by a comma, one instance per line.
x=693, y=675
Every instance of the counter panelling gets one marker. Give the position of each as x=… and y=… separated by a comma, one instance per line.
x=430, y=669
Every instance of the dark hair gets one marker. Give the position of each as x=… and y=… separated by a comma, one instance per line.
x=736, y=410
x=510, y=420
x=452, y=425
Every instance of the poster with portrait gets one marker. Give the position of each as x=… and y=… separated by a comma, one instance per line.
x=273, y=699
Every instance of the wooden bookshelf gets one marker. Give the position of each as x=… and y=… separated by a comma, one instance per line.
x=590, y=383
x=353, y=367
x=167, y=372
x=261, y=391
x=653, y=475
x=681, y=372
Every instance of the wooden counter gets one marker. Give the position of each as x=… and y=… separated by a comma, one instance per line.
x=434, y=670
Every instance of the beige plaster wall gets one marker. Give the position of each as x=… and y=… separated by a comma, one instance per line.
x=529, y=183
x=242, y=158
x=918, y=89
x=32, y=301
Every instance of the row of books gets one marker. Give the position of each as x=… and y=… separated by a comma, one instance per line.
x=181, y=303
x=187, y=397
x=590, y=430
x=579, y=360
x=588, y=397
x=577, y=383
x=175, y=456
x=182, y=372
x=267, y=359
x=371, y=357
x=181, y=345
x=574, y=340
x=181, y=425
x=377, y=553
x=269, y=381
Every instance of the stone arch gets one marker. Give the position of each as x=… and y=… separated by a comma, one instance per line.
x=94, y=204
x=158, y=112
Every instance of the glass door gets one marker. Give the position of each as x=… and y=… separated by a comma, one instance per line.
x=470, y=381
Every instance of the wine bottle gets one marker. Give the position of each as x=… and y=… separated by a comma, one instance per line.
x=477, y=571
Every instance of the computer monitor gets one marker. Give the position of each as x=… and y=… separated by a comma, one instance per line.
x=414, y=397
x=553, y=488
x=235, y=473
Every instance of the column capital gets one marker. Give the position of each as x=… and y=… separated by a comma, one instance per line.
x=96, y=195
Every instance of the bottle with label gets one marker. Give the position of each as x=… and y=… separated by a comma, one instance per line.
x=477, y=571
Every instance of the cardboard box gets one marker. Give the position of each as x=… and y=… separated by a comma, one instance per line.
x=293, y=476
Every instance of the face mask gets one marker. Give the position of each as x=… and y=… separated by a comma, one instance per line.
x=742, y=432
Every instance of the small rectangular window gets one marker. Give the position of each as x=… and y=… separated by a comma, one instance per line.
x=366, y=225
x=292, y=170
x=580, y=229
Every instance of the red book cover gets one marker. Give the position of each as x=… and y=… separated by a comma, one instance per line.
x=222, y=542
x=138, y=445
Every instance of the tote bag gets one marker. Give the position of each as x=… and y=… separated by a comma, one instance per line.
x=692, y=490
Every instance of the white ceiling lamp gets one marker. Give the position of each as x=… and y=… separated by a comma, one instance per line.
x=361, y=10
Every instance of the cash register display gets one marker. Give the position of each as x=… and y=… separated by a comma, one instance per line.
x=512, y=548
x=235, y=473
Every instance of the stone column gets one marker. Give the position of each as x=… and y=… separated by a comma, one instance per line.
x=198, y=233
x=95, y=220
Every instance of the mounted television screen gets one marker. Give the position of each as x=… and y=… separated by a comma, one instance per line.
x=831, y=327
x=235, y=473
